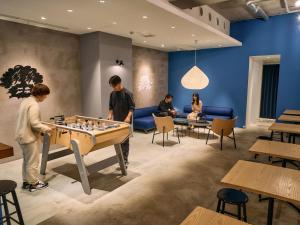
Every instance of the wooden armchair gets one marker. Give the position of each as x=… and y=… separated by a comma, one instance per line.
x=164, y=125
x=223, y=128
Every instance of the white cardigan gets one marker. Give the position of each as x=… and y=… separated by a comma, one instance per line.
x=29, y=124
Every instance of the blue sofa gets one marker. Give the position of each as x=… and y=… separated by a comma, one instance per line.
x=209, y=112
x=143, y=119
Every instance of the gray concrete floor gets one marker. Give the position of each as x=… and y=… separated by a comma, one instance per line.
x=162, y=187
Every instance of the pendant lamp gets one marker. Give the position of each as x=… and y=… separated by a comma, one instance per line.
x=195, y=78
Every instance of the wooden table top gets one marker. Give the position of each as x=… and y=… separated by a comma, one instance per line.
x=273, y=181
x=202, y=216
x=292, y=112
x=285, y=127
x=289, y=118
x=6, y=151
x=277, y=149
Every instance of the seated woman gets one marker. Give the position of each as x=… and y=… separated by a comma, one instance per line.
x=196, y=107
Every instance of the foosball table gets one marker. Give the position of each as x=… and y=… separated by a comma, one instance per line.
x=83, y=135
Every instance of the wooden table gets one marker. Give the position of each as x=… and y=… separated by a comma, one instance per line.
x=202, y=216
x=275, y=182
x=277, y=149
x=289, y=118
x=292, y=112
x=290, y=129
x=285, y=128
x=6, y=151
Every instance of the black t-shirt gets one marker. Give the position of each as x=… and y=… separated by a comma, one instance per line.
x=165, y=106
x=121, y=102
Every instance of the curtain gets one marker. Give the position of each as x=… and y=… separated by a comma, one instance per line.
x=269, y=91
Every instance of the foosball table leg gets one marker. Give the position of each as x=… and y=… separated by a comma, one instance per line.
x=119, y=153
x=45, y=152
x=81, y=168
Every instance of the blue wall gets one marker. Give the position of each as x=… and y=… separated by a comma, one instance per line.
x=227, y=68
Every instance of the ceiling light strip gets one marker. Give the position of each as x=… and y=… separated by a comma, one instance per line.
x=31, y=22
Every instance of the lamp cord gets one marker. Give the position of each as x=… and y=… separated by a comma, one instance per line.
x=196, y=51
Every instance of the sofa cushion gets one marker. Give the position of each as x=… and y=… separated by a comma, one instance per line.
x=218, y=111
x=212, y=117
x=181, y=115
x=187, y=109
x=144, y=123
x=142, y=112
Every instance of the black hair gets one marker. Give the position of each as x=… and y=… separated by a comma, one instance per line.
x=115, y=80
x=169, y=96
x=40, y=90
x=197, y=99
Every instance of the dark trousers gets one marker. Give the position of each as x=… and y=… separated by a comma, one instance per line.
x=125, y=149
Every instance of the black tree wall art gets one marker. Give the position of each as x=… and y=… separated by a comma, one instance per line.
x=19, y=80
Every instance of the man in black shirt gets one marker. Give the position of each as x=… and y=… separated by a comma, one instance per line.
x=121, y=107
x=166, y=107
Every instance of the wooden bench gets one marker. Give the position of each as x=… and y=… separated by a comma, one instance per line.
x=6, y=151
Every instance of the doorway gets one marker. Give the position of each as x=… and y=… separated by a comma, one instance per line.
x=262, y=90
x=269, y=89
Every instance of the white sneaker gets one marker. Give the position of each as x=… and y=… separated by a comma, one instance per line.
x=38, y=186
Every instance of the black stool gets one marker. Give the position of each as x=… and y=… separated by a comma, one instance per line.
x=6, y=187
x=233, y=197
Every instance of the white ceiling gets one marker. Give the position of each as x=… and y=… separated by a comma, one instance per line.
x=127, y=16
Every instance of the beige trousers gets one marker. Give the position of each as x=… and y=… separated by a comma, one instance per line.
x=31, y=154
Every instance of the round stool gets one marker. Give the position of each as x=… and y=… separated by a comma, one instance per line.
x=6, y=187
x=233, y=197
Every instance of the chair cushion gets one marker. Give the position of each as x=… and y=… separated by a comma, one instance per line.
x=144, y=123
x=144, y=112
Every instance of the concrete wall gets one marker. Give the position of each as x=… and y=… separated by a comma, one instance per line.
x=90, y=74
x=150, y=76
x=55, y=55
x=114, y=47
x=99, y=52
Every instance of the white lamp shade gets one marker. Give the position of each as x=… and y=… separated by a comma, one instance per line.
x=195, y=78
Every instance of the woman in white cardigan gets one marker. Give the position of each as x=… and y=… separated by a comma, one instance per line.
x=196, y=107
x=28, y=131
